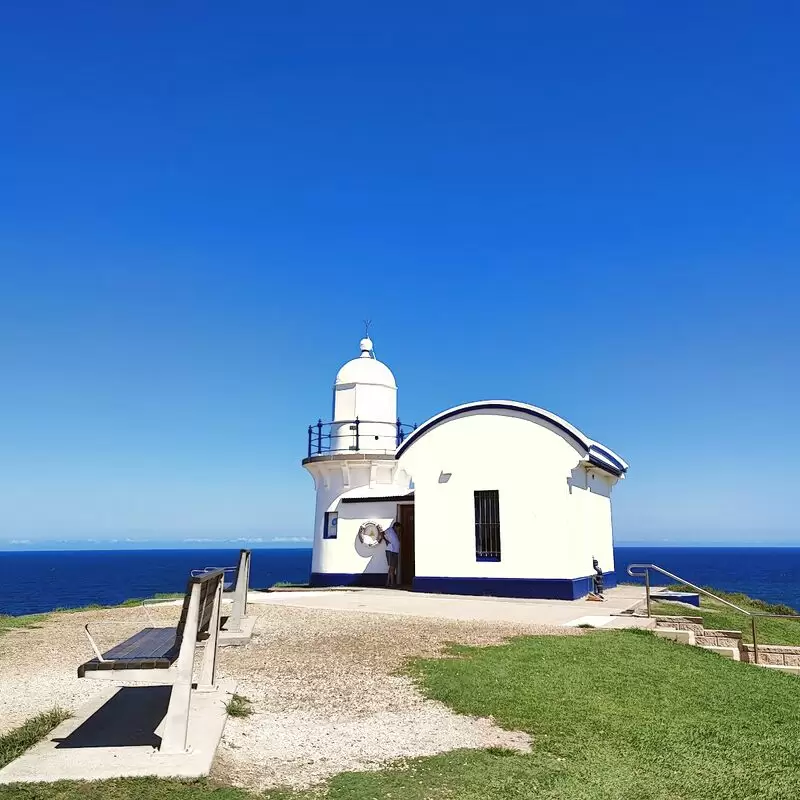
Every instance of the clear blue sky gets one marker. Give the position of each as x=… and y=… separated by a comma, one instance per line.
x=592, y=207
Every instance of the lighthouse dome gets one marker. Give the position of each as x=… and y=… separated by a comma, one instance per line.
x=365, y=370
x=364, y=405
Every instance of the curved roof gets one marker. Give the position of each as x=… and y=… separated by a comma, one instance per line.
x=597, y=454
x=365, y=370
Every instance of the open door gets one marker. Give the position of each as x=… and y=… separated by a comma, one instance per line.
x=405, y=515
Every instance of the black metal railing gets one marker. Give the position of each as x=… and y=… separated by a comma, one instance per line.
x=355, y=435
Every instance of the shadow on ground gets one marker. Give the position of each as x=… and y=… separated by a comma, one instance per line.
x=128, y=719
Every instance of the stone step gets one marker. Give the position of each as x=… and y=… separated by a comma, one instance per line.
x=725, y=652
x=684, y=637
x=628, y=621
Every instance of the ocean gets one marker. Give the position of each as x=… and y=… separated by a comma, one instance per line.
x=38, y=581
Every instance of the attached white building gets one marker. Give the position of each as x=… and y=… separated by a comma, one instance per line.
x=494, y=497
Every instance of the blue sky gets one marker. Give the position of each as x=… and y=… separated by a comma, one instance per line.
x=589, y=207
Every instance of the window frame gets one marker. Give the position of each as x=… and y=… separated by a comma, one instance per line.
x=488, y=543
x=330, y=525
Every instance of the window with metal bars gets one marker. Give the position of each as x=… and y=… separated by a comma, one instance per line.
x=487, y=525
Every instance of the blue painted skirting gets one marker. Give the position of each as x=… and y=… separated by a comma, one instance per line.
x=348, y=579
x=543, y=588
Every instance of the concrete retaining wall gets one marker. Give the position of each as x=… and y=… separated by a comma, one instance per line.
x=772, y=654
x=703, y=636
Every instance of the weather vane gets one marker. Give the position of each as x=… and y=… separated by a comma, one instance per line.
x=367, y=323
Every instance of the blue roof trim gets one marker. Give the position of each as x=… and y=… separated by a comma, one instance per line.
x=596, y=451
x=598, y=455
x=454, y=412
x=605, y=465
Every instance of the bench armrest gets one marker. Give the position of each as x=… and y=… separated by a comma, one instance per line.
x=196, y=573
x=92, y=641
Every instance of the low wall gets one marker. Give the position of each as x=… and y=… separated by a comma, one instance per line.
x=702, y=636
x=779, y=655
x=775, y=654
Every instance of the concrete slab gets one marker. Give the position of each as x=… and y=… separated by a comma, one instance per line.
x=115, y=735
x=242, y=636
x=624, y=621
x=684, y=637
x=595, y=622
x=457, y=607
x=725, y=652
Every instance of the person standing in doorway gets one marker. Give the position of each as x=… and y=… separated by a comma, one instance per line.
x=392, y=538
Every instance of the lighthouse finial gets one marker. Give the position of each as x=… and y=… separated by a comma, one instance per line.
x=366, y=343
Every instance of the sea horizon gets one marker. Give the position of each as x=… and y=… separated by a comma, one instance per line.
x=44, y=580
x=307, y=544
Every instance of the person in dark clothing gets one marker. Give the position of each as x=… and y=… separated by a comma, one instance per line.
x=597, y=579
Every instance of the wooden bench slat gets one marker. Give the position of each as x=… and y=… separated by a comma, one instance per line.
x=148, y=643
x=151, y=648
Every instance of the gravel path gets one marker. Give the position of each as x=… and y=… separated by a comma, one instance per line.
x=324, y=696
x=39, y=666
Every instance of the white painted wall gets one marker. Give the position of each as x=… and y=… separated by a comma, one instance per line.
x=335, y=479
x=551, y=524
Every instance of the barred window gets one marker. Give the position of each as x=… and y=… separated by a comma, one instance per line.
x=487, y=525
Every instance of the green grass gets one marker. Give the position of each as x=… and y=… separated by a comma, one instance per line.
x=717, y=615
x=14, y=743
x=123, y=789
x=239, y=706
x=290, y=585
x=26, y=621
x=35, y=620
x=740, y=599
x=129, y=603
x=618, y=715
x=612, y=714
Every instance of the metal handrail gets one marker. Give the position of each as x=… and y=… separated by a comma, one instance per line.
x=646, y=576
x=321, y=437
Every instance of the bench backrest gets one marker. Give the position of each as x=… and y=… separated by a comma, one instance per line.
x=207, y=586
x=242, y=569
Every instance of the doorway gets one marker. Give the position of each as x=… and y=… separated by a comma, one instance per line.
x=405, y=515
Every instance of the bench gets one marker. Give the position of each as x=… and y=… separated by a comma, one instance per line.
x=165, y=656
x=236, y=584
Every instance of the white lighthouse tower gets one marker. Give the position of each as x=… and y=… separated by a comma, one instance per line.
x=352, y=462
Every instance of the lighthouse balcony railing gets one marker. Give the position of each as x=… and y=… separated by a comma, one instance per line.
x=356, y=435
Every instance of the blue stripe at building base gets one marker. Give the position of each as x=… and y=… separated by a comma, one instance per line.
x=539, y=588
x=365, y=579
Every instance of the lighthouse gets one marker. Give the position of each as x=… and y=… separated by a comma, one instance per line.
x=490, y=497
x=352, y=461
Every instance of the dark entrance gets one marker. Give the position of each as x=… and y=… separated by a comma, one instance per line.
x=405, y=515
